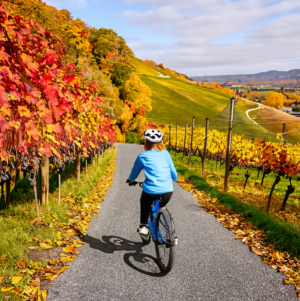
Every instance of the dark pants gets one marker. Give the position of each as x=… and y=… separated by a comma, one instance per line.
x=146, y=202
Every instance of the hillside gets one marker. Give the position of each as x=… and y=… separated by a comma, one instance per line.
x=285, y=78
x=176, y=100
x=142, y=68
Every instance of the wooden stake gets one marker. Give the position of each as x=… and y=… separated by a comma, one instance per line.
x=47, y=180
x=170, y=137
x=190, y=155
x=85, y=166
x=36, y=198
x=176, y=141
x=229, y=137
x=78, y=166
x=284, y=130
x=7, y=202
x=59, y=182
x=184, y=140
x=204, y=149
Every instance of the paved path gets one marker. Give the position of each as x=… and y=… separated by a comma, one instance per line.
x=210, y=263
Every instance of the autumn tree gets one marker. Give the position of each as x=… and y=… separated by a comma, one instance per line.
x=205, y=85
x=152, y=64
x=275, y=100
x=137, y=103
x=137, y=93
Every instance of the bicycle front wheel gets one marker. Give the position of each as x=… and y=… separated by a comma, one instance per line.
x=164, y=245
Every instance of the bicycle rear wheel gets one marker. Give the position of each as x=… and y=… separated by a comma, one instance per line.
x=164, y=246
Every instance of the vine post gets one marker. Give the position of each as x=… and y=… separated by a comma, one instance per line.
x=284, y=130
x=7, y=203
x=85, y=161
x=44, y=176
x=47, y=179
x=170, y=126
x=99, y=158
x=190, y=154
x=229, y=138
x=59, y=183
x=204, y=149
x=78, y=166
x=33, y=183
x=184, y=139
x=176, y=141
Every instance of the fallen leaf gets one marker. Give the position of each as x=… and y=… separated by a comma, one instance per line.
x=67, y=259
x=22, y=264
x=54, y=262
x=2, y=258
x=16, y=280
x=6, y=289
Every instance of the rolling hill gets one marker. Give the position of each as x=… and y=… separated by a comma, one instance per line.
x=174, y=100
x=280, y=78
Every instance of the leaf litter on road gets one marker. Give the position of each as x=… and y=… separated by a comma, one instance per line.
x=249, y=234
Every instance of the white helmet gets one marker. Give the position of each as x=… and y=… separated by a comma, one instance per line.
x=153, y=135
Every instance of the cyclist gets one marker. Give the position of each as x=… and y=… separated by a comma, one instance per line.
x=159, y=170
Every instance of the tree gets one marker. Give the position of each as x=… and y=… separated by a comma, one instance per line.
x=275, y=100
x=138, y=93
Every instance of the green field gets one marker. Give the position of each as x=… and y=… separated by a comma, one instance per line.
x=174, y=100
x=142, y=68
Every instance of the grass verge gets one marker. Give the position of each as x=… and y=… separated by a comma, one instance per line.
x=283, y=236
x=20, y=229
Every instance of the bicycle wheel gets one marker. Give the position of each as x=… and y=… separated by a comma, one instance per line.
x=164, y=246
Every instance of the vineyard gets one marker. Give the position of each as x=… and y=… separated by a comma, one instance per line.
x=47, y=110
x=271, y=160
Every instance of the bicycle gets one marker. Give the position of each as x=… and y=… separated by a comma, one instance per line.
x=161, y=228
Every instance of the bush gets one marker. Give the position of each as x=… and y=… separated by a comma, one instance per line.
x=133, y=137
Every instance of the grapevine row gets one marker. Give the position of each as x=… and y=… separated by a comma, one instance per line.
x=46, y=108
x=283, y=160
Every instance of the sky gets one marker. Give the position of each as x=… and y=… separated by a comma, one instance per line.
x=201, y=37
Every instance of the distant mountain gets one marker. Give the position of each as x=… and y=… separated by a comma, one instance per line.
x=275, y=78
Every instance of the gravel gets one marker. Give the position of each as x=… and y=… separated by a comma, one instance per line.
x=210, y=264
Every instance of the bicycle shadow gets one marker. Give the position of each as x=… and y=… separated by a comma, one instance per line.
x=136, y=259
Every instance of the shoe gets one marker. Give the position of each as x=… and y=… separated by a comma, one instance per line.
x=144, y=230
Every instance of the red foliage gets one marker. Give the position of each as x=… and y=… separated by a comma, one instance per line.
x=45, y=103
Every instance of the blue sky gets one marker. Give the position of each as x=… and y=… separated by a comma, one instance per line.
x=200, y=37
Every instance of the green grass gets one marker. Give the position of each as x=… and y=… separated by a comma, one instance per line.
x=16, y=230
x=176, y=100
x=142, y=68
x=283, y=236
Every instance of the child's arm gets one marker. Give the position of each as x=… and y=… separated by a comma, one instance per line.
x=173, y=169
x=137, y=168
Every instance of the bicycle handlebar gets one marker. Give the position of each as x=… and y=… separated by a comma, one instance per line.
x=133, y=183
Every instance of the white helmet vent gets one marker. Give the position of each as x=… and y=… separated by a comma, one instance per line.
x=153, y=136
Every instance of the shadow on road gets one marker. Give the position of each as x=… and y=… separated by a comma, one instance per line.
x=137, y=260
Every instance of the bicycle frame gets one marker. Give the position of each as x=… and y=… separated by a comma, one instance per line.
x=152, y=223
x=153, y=220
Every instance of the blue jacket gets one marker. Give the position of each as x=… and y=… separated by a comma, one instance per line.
x=159, y=171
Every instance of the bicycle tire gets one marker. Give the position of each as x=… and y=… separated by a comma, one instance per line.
x=165, y=253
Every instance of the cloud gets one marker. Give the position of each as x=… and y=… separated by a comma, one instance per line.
x=153, y=16
x=77, y=4
x=261, y=34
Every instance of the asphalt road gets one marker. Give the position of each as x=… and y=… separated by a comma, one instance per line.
x=210, y=263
